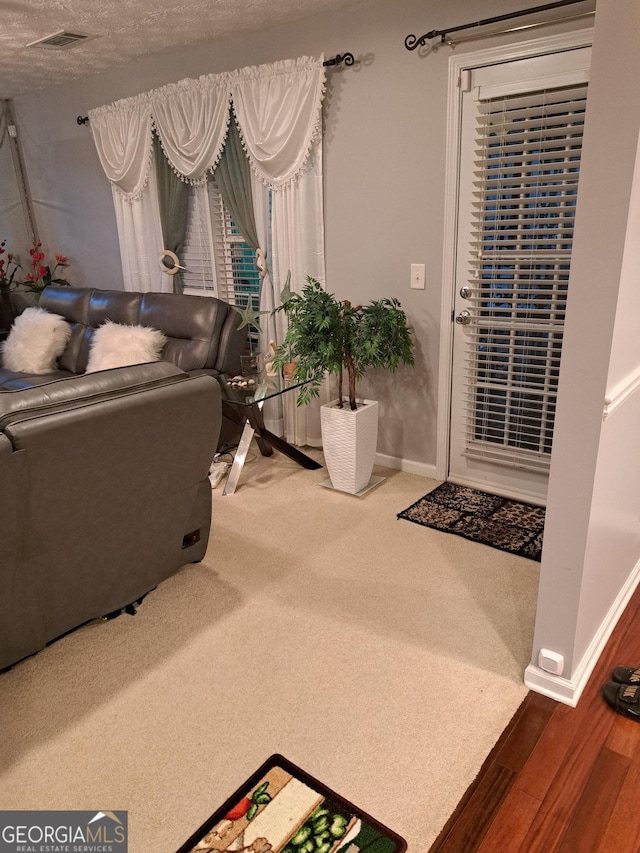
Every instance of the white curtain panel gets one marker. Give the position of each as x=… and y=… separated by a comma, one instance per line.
x=270, y=324
x=298, y=245
x=191, y=118
x=139, y=235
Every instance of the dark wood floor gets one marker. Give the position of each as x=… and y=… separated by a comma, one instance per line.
x=560, y=779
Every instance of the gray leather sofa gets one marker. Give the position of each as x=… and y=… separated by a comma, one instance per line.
x=202, y=331
x=105, y=488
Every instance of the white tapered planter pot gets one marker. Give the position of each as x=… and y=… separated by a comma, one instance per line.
x=349, y=441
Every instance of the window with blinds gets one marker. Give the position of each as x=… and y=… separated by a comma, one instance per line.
x=218, y=261
x=198, y=252
x=528, y=149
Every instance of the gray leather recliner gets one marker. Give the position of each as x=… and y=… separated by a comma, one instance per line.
x=105, y=493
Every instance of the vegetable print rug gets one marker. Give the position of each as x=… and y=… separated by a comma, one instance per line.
x=491, y=520
x=281, y=809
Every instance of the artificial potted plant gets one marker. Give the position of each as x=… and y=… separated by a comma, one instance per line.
x=328, y=335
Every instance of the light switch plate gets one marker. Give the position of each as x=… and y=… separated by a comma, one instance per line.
x=417, y=276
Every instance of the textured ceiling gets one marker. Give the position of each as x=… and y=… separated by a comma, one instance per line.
x=124, y=30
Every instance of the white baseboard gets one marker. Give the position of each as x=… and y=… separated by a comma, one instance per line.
x=568, y=690
x=422, y=469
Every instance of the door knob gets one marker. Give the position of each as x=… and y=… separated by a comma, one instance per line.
x=463, y=318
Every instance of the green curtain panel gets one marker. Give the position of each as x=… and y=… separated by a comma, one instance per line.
x=233, y=176
x=173, y=201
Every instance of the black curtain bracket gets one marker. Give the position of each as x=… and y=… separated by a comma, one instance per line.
x=82, y=120
x=347, y=58
x=411, y=42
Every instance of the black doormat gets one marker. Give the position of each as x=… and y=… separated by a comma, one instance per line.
x=501, y=523
x=281, y=809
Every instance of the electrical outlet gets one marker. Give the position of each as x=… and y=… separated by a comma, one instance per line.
x=550, y=661
x=417, y=276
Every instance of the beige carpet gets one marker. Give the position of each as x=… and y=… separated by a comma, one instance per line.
x=383, y=657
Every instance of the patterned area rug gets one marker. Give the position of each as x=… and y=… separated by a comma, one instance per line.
x=501, y=523
x=281, y=809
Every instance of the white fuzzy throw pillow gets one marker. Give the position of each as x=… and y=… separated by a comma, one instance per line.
x=116, y=345
x=36, y=340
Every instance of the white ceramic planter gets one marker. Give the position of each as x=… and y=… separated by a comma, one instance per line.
x=349, y=441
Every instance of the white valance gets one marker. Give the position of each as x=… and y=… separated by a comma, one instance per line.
x=191, y=119
x=278, y=110
x=122, y=134
x=277, y=107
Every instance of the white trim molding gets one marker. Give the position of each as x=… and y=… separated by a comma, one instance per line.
x=422, y=469
x=620, y=393
x=567, y=690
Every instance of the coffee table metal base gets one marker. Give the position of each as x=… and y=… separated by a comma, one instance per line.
x=266, y=440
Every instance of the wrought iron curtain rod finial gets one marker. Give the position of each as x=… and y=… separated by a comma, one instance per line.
x=347, y=58
x=412, y=42
x=82, y=120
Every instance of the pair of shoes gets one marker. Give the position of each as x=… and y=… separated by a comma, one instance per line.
x=626, y=675
x=623, y=692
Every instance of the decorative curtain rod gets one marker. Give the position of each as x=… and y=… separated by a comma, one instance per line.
x=347, y=58
x=411, y=42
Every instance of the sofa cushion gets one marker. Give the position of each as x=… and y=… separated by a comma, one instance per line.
x=202, y=332
x=73, y=305
x=36, y=340
x=192, y=324
x=117, y=345
x=86, y=309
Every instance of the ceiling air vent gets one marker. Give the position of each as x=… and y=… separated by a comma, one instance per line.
x=59, y=41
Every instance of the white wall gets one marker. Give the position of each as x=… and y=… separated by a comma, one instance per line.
x=592, y=538
x=384, y=172
x=13, y=228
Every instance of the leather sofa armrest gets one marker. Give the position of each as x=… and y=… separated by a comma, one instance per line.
x=89, y=386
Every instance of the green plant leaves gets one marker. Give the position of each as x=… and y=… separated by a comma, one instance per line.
x=326, y=335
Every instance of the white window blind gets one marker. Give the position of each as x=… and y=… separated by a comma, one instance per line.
x=198, y=252
x=218, y=260
x=528, y=162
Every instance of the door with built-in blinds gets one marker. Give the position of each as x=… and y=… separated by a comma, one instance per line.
x=521, y=139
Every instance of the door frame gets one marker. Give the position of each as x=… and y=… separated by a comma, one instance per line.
x=458, y=64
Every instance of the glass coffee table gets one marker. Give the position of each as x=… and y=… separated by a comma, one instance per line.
x=243, y=405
